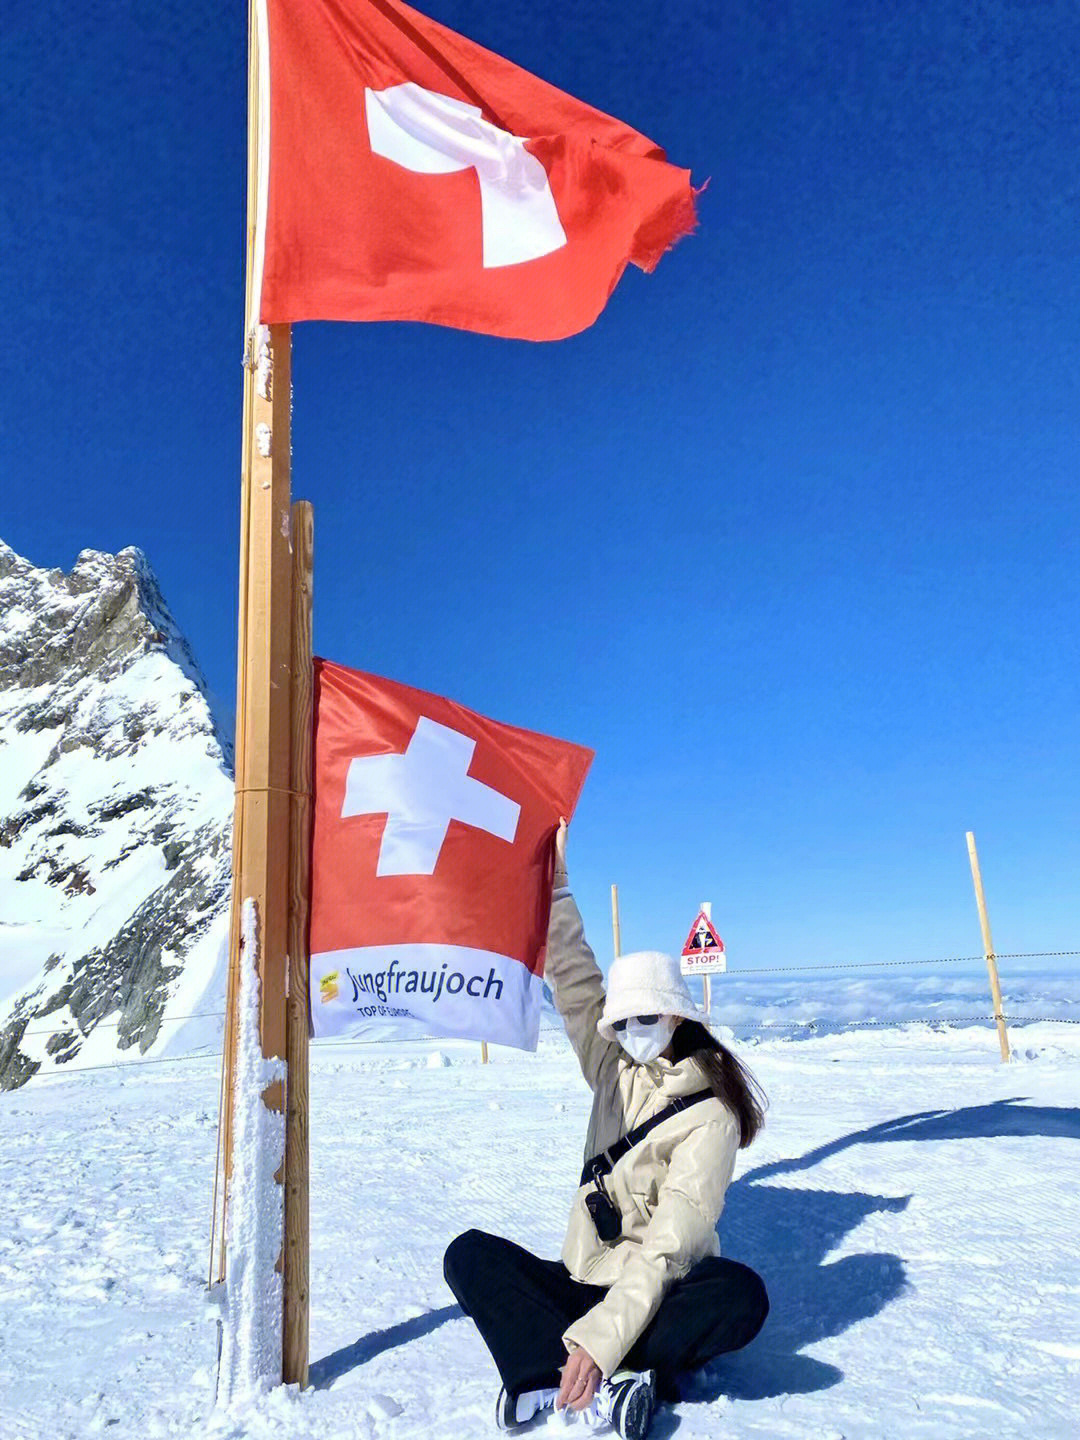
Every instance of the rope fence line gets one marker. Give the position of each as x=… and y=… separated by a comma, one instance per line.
x=115, y=1024
x=125, y=1065
x=327, y=1044
x=753, y=970
x=887, y=964
x=836, y=1025
x=216, y=1054
x=896, y=1024
x=1032, y=954
x=853, y=965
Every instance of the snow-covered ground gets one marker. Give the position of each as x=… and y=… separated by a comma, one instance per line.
x=912, y=1205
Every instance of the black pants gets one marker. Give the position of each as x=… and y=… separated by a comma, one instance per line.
x=522, y=1306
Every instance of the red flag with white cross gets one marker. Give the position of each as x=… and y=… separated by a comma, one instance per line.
x=431, y=863
x=413, y=175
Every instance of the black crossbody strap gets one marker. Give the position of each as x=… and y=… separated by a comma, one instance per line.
x=606, y=1160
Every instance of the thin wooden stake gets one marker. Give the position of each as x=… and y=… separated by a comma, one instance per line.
x=706, y=979
x=615, y=933
x=296, y=1287
x=483, y=1052
x=988, y=947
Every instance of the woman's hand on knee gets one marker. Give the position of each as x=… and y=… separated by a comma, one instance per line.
x=581, y=1377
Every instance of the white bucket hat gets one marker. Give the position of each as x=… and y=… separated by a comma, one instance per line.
x=645, y=982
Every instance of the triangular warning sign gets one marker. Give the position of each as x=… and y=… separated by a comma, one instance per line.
x=703, y=939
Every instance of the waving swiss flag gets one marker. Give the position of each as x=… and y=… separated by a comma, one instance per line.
x=431, y=862
x=413, y=175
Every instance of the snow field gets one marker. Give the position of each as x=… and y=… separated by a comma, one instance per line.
x=911, y=1205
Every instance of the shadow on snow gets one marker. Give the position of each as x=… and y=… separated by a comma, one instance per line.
x=324, y=1372
x=785, y=1235
x=1001, y=1118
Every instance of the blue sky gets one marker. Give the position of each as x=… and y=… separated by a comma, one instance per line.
x=789, y=536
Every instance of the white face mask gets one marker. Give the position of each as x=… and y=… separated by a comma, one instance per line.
x=644, y=1043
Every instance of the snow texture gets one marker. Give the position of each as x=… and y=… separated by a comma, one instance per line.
x=252, y=1315
x=264, y=363
x=911, y=1205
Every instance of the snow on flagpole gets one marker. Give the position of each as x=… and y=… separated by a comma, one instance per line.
x=252, y=1310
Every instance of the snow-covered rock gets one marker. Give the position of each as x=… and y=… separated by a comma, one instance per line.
x=115, y=814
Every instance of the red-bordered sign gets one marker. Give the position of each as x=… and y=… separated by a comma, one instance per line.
x=704, y=950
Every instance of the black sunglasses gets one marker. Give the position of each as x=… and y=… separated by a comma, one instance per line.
x=641, y=1019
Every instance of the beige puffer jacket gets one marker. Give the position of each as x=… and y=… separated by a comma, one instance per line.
x=669, y=1188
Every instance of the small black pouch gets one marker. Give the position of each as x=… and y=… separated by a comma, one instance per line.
x=605, y=1215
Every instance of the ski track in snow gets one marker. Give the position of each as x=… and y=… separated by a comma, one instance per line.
x=911, y=1204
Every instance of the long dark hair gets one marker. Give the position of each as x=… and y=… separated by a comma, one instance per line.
x=729, y=1079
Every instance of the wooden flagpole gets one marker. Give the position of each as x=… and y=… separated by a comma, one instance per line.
x=263, y=716
x=296, y=1276
x=616, y=934
x=264, y=692
x=263, y=713
x=225, y=1124
x=988, y=948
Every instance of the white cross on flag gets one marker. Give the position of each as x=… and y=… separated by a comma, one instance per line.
x=407, y=173
x=431, y=863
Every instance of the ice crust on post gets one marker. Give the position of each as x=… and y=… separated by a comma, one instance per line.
x=252, y=1321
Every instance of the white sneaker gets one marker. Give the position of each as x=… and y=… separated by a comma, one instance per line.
x=627, y=1402
x=511, y=1412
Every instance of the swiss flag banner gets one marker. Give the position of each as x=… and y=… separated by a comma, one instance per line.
x=414, y=175
x=432, y=863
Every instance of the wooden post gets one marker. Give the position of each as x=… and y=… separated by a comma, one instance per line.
x=988, y=947
x=483, y=1052
x=294, y=1368
x=261, y=823
x=261, y=814
x=616, y=936
x=706, y=979
x=264, y=714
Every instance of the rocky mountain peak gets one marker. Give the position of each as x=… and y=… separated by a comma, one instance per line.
x=96, y=619
x=115, y=803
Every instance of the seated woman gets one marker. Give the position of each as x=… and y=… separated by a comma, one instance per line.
x=641, y=1293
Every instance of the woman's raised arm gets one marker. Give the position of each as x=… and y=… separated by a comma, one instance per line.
x=573, y=975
